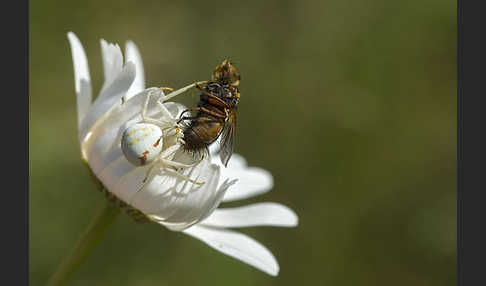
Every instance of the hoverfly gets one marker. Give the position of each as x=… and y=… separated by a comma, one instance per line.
x=216, y=113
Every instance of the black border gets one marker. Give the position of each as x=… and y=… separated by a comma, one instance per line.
x=471, y=143
x=15, y=133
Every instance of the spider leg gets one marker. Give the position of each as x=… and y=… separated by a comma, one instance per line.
x=182, y=90
x=185, y=178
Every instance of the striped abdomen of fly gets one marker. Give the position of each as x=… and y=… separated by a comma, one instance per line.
x=205, y=127
x=215, y=117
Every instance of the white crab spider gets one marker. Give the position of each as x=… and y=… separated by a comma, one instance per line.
x=142, y=142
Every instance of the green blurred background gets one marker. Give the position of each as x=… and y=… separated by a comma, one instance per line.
x=351, y=105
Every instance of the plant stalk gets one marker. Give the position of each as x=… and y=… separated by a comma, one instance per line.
x=85, y=244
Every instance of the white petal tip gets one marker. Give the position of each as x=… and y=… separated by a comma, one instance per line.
x=252, y=181
x=237, y=245
x=82, y=81
x=130, y=45
x=289, y=216
x=274, y=273
x=260, y=214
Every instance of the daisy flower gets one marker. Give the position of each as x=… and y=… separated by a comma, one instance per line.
x=169, y=190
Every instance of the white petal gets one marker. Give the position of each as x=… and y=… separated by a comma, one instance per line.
x=102, y=146
x=82, y=80
x=112, y=61
x=111, y=95
x=133, y=55
x=236, y=161
x=169, y=201
x=214, y=148
x=177, y=204
x=198, y=202
x=252, y=181
x=237, y=245
x=174, y=203
x=121, y=178
x=260, y=214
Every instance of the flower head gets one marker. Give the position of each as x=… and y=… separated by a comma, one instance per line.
x=183, y=200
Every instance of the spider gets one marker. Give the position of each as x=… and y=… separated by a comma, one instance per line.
x=142, y=143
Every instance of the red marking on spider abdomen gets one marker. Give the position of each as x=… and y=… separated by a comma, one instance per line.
x=143, y=159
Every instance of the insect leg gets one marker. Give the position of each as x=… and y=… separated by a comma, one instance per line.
x=186, y=118
x=185, y=178
x=147, y=175
x=205, y=110
x=147, y=119
x=182, y=90
x=212, y=96
x=179, y=165
x=169, y=151
x=163, y=155
x=213, y=113
x=164, y=110
x=166, y=89
x=145, y=105
x=181, y=118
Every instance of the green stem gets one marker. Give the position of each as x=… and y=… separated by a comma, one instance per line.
x=85, y=244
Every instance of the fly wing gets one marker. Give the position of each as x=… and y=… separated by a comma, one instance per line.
x=227, y=138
